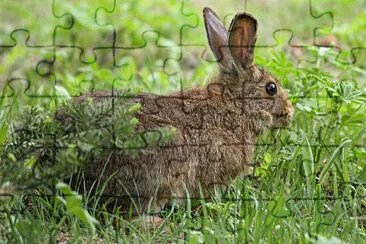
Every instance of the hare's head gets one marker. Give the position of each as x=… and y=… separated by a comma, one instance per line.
x=261, y=93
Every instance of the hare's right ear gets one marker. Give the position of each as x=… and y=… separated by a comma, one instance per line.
x=217, y=39
x=242, y=38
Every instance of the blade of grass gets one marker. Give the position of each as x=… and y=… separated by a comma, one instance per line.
x=331, y=161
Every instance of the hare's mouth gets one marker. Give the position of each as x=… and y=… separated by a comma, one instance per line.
x=281, y=116
x=285, y=116
x=282, y=120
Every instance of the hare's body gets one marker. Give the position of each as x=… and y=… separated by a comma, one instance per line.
x=206, y=151
x=216, y=126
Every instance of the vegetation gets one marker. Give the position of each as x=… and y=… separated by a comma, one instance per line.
x=307, y=183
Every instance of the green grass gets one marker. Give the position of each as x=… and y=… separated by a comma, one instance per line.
x=307, y=182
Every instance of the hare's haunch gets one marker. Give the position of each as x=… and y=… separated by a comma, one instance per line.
x=216, y=125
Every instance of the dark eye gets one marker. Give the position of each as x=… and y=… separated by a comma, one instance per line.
x=271, y=88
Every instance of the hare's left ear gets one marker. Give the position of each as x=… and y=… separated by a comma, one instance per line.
x=242, y=38
x=217, y=39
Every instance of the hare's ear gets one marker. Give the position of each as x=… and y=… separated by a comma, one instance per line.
x=242, y=38
x=217, y=39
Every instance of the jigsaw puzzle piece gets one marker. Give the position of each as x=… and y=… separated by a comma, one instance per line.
x=303, y=11
x=152, y=74
x=320, y=212
x=40, y=83
x=16, y=87
x=22, y=40
x=16, y=90
x=85, y=35
x=139, y=22
x=149, y=46
x=347, y=33
x=16, y=68
x=32, y=18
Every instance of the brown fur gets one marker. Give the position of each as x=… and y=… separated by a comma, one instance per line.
x=216, y=126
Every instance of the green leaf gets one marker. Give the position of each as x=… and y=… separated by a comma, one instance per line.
x=134, y=108
x=359, y=152
x=331, y=160
x=3, y=133
x=73, y=201
x=29, y=163
x=267, y=158
x=362, y=176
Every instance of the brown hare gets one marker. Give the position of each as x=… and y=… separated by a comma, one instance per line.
x=216, y=125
